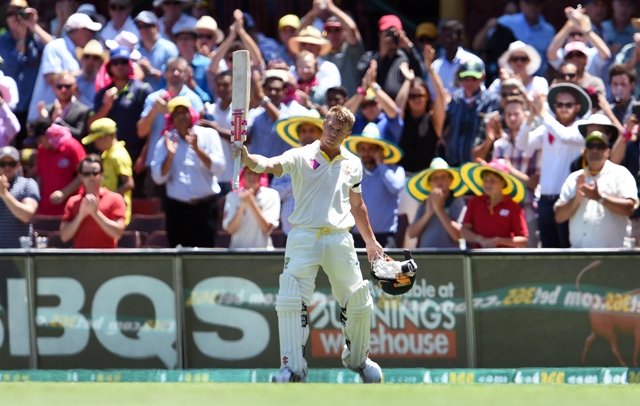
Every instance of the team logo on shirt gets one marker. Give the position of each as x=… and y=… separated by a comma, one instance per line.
x=503, y=213
x=314, y=164
x=347, y=169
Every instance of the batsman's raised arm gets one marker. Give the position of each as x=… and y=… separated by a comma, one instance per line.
x=257, y=163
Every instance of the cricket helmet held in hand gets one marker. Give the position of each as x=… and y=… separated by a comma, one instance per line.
x=394, y=277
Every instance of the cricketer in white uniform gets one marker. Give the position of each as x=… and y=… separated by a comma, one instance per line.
x=328, y=202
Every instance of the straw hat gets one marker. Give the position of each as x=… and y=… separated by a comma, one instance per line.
x=287, y=129
x=310, y=35
x=208, y=23
x=371, y=134
x=471, y=173
x=418, y=185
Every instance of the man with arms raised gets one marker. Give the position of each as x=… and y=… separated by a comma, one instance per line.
x=326, y=187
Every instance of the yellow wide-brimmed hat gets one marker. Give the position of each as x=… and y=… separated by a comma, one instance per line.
x=371, y=134
x=471, y=173
x=287, y=129
x=418, y=185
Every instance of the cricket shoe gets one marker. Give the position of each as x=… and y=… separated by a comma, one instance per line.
x=286, y=375
x=370, y=372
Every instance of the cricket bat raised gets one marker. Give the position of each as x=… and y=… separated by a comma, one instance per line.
x=240, y=104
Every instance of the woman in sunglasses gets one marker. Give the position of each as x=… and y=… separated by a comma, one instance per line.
x=521, y=61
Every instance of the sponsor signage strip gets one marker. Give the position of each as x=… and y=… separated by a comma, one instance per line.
x=529, y=376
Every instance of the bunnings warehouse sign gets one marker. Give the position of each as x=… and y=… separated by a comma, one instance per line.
x=234, y=323
x=200, y=309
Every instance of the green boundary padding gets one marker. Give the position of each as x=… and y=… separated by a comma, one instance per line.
x=400, y=375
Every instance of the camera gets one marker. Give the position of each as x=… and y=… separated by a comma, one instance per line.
x=391, y=33
x=23, y=13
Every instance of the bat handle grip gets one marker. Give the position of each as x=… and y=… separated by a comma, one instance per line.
x=236, y=173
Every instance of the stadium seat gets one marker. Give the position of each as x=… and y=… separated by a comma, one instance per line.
x=146, y=205
x=46, y=223
x=279, y=238
x=54, y=241
x=147, y=222
x=223, y=238
x=132, y=239
x=157, y=239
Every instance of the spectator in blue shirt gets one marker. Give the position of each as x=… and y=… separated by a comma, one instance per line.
x=530, y=27
x=382, y=182
x=21, y=48
x=154, y=49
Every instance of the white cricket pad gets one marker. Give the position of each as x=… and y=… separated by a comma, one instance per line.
x=357, y=328
x=290, y=327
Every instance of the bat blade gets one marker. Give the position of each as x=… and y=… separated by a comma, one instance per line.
x=240, y=103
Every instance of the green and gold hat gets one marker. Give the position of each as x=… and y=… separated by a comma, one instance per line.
x=287, y=129
x=371, y=134
x=100, y=128
x=471, y=173
x=418, y=185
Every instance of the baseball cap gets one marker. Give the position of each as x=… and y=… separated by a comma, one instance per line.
x=11, y=152
x=427, y=30
x=575, y=46
x=147, y=17
x=184, y=27
x=81, y=20
x=18, y=3
x=99, y=128
x=119, y=53
x=332, y=21
x=389, y=21
x=597, y=136
x=289, y=20
x=178, y=101
x=473, y=68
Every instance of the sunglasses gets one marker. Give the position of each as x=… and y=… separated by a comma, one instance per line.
x=90, y=173
x=116, y=62
x=597, y=145
x=417, y=96
x=507, y=94
x=576, y=34
x=205, y=36
x=94, y=57
x=522, y=59
x=564, y=105
x=330, y=30
x=145, y=26
x=61, y=86
x=116, y=7
x=11, y=164
x=569, y=75
x=573, y=54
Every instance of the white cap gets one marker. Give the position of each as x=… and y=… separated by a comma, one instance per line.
x=81, y=20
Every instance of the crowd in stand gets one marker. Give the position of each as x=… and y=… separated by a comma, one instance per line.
x=527, y=138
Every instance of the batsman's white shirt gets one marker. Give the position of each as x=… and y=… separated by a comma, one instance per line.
x=321, y=187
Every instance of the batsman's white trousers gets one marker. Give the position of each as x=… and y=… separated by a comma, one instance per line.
x=307, y=249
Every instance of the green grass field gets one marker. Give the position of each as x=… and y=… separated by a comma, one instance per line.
x=122, y=394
